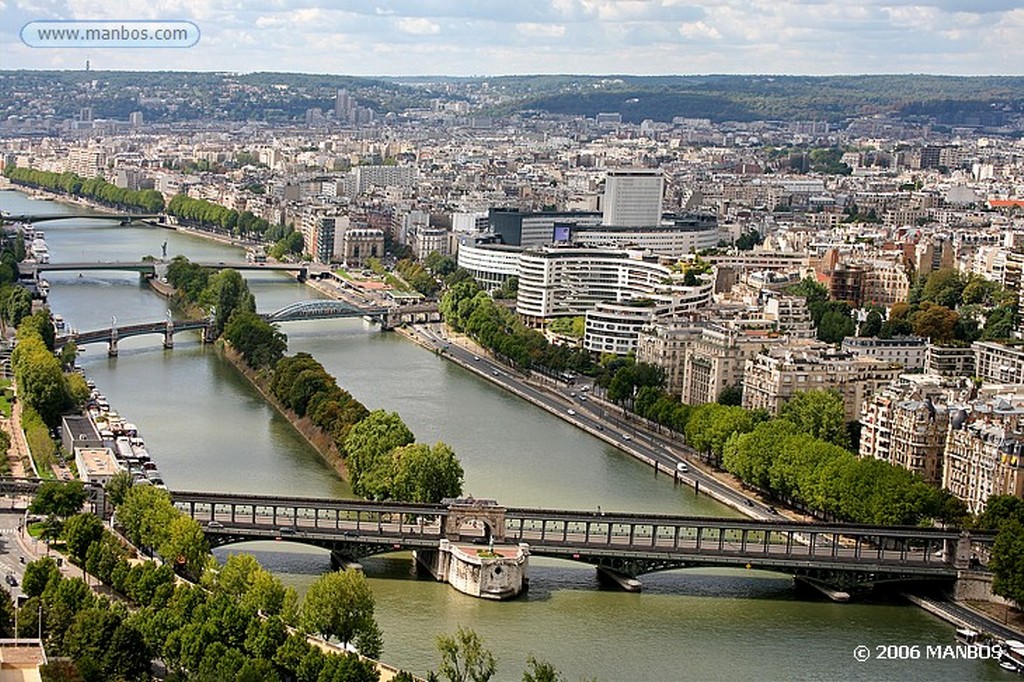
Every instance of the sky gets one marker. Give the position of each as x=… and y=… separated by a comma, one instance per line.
x=497, y=37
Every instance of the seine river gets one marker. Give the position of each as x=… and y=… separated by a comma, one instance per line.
x=209, y=430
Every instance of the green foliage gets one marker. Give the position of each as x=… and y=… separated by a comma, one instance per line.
x=260, y=342
x=829, y=480
x=872, y=325
x=464, y=658
x=441, y=266
x=55, y=498
x=371, y=441
x=80, y=532
x=1007, y=562
x=97, y=189
x=39, y=574
x=568, y=326
x=820, y=414
x=340, y=605
x=7, y=615
x=40, y=378
x=731, y=395
x=541, y=671
x=632, y=377
x=218, y=218
x=415, y=473
x=998, y=509
x=15, y=304
x=710, y=426
x=417, y=277
x=466, y=308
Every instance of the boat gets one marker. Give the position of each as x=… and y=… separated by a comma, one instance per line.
x=967, y=636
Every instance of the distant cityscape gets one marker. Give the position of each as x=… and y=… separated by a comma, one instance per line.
x=691, y=243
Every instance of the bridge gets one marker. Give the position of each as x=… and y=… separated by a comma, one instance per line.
x=124, y=218
x=152, y=267
x=836, y=556
x=315, y=309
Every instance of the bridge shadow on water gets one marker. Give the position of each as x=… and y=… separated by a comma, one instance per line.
x=298, y=565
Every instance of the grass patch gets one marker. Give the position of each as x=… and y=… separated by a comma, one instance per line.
x=36, y=529
x=343, y=273
x=6, y=394
x=41, y=446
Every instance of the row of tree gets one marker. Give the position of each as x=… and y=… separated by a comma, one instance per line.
x=96, y=189
x=42, y=383
x=467, y=308
x=219, y=218
x=417, y=276
x=802, y=458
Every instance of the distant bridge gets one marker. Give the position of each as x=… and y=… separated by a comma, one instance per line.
x=315, y=309
x=123, y=218
x=842, y=556
x=151, y=267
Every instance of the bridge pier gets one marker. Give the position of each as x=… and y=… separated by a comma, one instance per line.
x=169, y=335
x=607, y=576
x=112, y=344
x=341, y=562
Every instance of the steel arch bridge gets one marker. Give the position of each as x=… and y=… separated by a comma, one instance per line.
x=323, y=309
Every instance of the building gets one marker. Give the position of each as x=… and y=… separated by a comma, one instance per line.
x=78, y=431
x=773, y=376
x=908, y=351
x=318, y=231
x=614, y=327
x=663, y=344
x=632, y=197
x=566, y=282
x=360, y=243
x=343, y=106
x=425, y=240
x=984, y=452
x=491, y=265
x=716, y=359
x=685, y=235
x=530, y=229
x=949, y=361
x=96, y=465
x=905, y=425
x=365, y=177
x=21, y=659
x=998, y=363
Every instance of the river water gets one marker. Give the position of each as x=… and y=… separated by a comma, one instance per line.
x=209, y=430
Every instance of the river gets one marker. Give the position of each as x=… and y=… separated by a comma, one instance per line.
x=209, y=430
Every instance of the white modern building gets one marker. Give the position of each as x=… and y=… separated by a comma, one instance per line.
x=490, y=264
x=632, y=197
x=566, y=282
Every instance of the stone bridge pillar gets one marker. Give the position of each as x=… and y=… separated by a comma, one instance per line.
x=464, y=509
x=112, y=344
x=169, y=334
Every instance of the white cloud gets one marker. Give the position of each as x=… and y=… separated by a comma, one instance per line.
x=698, y=29
x=417, y=26
x=532, y=30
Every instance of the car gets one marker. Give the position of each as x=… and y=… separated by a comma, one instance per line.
x=11, y=580
x=214, y=524
x=626, y=436
x=747, y=501
x=585, y=389
x=682, y=468
x=773, y=510
x=286, y=530
x=476, y=359
x=572, y=413
x=598, y=427
x=495, y=372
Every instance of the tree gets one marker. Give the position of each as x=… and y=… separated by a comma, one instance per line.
x=935, y=322
x=464, y=658
x=540, y=671
x=38, y=575
x=7, y=616
x=260, y=343
x=1007, y=562
x=56, y=498
x=80, y=532
x=146, y=515
x=871, y=325
x=731, y=395
x=340, y=605
x=127, y=656
x=998, y=509
x=185, y=545
x=426, y=474
x=118, y=486
x=371, y=440
x=820, y=414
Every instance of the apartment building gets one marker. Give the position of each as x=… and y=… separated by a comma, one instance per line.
x=773, y=376
x=984, y=452
x=998, y=363
x=908, y=351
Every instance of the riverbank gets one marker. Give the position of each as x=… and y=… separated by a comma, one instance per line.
x=310, y=432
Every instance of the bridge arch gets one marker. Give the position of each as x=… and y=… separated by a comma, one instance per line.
x=463, y=511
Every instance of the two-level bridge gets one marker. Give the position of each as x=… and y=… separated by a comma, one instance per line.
x=151, y=268
x=841, y=556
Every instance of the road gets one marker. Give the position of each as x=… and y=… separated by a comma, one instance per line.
x=602, y=419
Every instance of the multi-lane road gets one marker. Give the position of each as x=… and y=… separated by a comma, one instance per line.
x=603, y=420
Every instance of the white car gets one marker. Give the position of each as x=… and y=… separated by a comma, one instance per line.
x=572, y=413
x=682, y=468
x=626, y=436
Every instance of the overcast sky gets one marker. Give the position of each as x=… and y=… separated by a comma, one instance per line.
x=496, y=37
